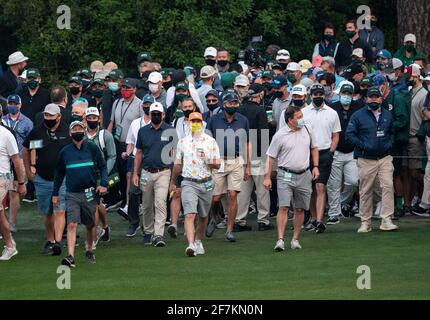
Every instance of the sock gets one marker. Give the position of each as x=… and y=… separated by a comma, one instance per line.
x=399, y=202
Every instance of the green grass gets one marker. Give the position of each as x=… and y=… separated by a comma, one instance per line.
x=324, y=269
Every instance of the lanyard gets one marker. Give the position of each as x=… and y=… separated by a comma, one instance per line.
x=124, y=113
x=9, y=125
x=417, y=93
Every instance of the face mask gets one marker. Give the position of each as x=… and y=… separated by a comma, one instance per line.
x=187, y=113
x=92, y=124
x=328, y=37
x=212, y=107
x=146, y=110
x=318, y=101
x=167, y=85
x=410, y=47
x=300, y=123
x=153, y=87
x=298, y=102
x=180, y=97
x=74, y=90
x=222, y=63
x=242, y=92
x=411, y=83
x=13, y=109
x=350, y=34
x=327, y=91
x=345, y=100
x=75, y=117
x=374, y=105
x=156, y=118
x=292, y=78
x=86, y=83
x=267, y=86
x=230, y=110
x=210, y=62
x=113, y=86
x=78, y=136
x=50, y=123
x=277, y=94
x=32, y=84
x=381, y=66
x=283, y=65
x=392, y=77
x=127, y=94
x=196, y=127
x=98, y=93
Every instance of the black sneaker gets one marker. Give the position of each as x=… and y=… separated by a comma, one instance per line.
x=90, y=257
x=239, y=228
x=132, y=229
x=56, y=249
x=407, y=209
x=211, y=228
x=320, y=228
x=420, y=212
x=29, y=198
x=172, y=231
x=106, y=236
x=265, y=227
x=311, y=225
x=123, y=214
x=159, y=242
x=333, y=220
x=47, y=249
x=68, y=261
x=346, y=211
x=147, y=239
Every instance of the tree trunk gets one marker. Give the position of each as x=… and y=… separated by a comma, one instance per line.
x=413, y=17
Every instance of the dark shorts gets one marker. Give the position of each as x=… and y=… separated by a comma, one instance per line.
x=80, y=210
x=130, y=165
x=399, y=153
x=325, y=162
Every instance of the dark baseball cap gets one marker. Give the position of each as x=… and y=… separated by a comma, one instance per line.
x=279, y=82
x=76, y=79
x=267, y=74
x=143, y=56
x=317, y=88
x=115, y=74
x=255, y=88
x=366, y=82
x=181, y=85
x=129, y=83
x=347, y=88
x=33, y=73
x=84, y=73
x=230, y=97
x=354, y=69
x=374, y=92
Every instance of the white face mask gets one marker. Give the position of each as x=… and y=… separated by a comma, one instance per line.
x=153, y=87
x=392, y=77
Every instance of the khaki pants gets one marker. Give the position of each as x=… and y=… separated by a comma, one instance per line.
x=155, y=187
x=244, y=197
x=368, y=171
x=425, y=199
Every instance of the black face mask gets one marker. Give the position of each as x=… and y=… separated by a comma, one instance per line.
x=212, y=107
x=298, y=102
x=92, y=124
x=50, y=123
x=146, y=110
x=318, y=101
x=210, y=62
x=78, y=136
x=167, y=85
x=328, y=37
x=187, y=113
x=156, y=118
x=222, y=63
x=74, y=90
x=283, y=66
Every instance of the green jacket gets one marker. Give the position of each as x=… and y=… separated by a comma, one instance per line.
x=401, y=54
x=399, y=104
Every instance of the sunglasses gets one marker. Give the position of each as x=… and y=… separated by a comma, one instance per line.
x=211, y=101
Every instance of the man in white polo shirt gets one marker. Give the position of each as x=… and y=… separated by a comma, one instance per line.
x=325, y=123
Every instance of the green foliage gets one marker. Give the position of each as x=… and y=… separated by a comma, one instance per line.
x=174, y=32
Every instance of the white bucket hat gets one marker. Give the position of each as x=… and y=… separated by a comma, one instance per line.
x=15, y=58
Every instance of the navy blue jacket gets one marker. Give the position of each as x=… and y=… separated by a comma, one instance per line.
x=371, y=140
x=81, y=167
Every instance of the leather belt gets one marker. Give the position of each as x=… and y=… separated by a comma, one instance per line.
x=156, y=170
x=295, y=172
x=197, y=180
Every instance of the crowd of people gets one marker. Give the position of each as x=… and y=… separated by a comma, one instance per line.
x=343, y=134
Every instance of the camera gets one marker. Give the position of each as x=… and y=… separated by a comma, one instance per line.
x=252, y=54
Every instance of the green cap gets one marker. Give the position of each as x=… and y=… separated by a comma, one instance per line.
x=227, y=79
x=33, y=73
x=85, y=73
x=143, y=56
x=98, y=81
x=366, y=82
x=76, y=79
x=115, y=74
x=267, y=74
x=374, y=92
x=181, y=85
x=420, y=56
x=166, y=72
x=347, y=88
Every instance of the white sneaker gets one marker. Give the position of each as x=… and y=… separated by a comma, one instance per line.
x=295, y=244
x=280, y=245
x=191, y=250
x=388, y=225
x=8, y=253
x=94, y=246
x=100, y=232
x=199, y=247
x=365, y=228
x=222, y=224
x=125, y=209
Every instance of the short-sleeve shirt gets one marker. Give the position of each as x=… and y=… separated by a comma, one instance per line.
x=230, y=136
x=8, y=148
x=22, y=127
x=124, y=113
x=292, y=148
x=190, y=152
x=419, y=96
x=156, y=145
x=324, y=122
x=48, y=145
x=134, y=130
x=183, y=128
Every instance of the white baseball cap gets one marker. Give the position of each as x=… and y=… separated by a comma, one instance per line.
x=207, y=72
x=299, y=90
x=293, y=66
x=210, y=52
x=15, y=58
x=283, y=54
x=397, y=63
x=241, y=80
x=92, y=111
x=410, y=37
x=358, y=52
x=155, y=77
x=156, y=106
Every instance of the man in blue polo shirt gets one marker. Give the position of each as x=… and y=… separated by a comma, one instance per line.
x=231, y=131
x=81, y=162
x=154, y=157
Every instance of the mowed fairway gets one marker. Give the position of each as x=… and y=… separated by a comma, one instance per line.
x=324, y=269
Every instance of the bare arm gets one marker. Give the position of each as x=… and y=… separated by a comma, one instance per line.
x=110, y=127
x=334, y=142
